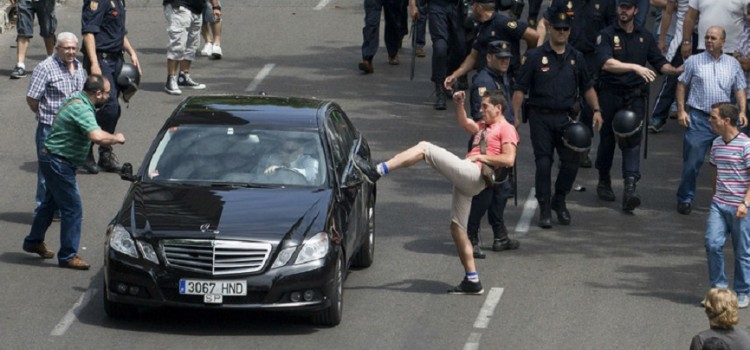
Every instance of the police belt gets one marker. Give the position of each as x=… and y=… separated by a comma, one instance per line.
x=548, y=110
x=108, y=55
x=623, y=91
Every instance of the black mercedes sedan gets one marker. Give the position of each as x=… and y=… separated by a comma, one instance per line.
x=243, y=202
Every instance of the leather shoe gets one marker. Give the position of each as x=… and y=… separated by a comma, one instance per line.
x=393, y=60
x=505, y=244
x=108, y=161
x=366, y=67
x=76, y=263
x=477, y=252
x=420, y=52
x=41, y=250
x=90, y=166
x=684, y=208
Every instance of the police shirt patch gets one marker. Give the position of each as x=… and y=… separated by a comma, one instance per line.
x=641, y=39
x=596, y=6
x=598, y=39
x=512, y=24
x=544, y=60
x=112, y=3
x=572, y=62
x=481, y=91
x=94, y=5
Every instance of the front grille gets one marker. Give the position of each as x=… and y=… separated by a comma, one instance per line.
x=215, y=257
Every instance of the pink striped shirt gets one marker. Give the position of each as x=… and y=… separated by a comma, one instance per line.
x=732, y=162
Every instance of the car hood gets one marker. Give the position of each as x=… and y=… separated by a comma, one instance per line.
x=259, y=214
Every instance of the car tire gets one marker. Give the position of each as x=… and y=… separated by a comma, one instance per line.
x=366, y=253
x=117, y=310
x=331, y=316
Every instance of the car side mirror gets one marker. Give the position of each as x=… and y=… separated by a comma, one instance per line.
x=126, y=172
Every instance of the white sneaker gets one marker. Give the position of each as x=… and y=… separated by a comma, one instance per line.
x=216, y=53
x=184, y=80
x=207, y=49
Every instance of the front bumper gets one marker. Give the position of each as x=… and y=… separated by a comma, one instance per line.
x=158, y=285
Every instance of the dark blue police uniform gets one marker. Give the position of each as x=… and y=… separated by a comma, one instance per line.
x=106, y=20
x=623, y=91
x=371, y=30
x=500, y=27
x=448, y=38
x=488, y=80
x=554, y=84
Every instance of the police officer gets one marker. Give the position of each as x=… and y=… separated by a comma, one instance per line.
x=555, y=76
x=371, y=32
x=493, y=199
x=623, y=50
x=104, y=40
x=448, y=41
x=589, y=17
x=493, y=26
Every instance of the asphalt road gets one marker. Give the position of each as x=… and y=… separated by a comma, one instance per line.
x=609, y=281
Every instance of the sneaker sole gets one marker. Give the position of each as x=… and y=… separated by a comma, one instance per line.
x=193, y=87
x=453, y=292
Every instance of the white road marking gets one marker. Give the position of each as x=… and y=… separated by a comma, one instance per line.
x=473, y=342
x=322, y=4
x=522, y=227
x=259, y=78
x=484, y=317
x=72, y=314
x=485, y=313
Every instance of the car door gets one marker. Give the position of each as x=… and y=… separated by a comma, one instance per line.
x=342, y=139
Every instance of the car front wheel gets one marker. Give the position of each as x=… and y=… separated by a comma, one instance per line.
x=331, y=316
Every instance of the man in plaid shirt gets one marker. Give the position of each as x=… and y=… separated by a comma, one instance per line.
x=54, y=80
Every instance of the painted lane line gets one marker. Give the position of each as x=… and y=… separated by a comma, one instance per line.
x=485, y=313
x=260, y=76
x=473, y=342
x=72, y=313
x=529, y=208
x=321, y=4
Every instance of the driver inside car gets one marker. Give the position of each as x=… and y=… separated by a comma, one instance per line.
x=290, y=156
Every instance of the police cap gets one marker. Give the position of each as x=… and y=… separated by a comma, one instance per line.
x=559, y=19
x=627, y=3
x=499, y=48
x=484, y=1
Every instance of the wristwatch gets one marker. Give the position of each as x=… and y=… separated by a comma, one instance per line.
x=687, y=42
x=746, y=204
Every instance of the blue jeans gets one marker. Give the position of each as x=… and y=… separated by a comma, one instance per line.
x=62, y=192
x=695, y=145
x=42, y=130
x=721, y=222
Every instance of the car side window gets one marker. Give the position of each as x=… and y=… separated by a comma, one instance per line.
x=341, y=135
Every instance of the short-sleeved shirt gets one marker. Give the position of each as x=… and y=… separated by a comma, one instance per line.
x=497, y=134
x=711, y=80
x=638, y=47
x=68, y=137
x=553, y=81
x=51, y=83
x=732, y=162
x=106, y=20
x=728, y=14
x=499, y=27
x=490, y=80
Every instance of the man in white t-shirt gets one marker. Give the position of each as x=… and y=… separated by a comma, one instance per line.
x=728, y=14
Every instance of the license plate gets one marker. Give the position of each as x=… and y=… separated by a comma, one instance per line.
x=215, y=288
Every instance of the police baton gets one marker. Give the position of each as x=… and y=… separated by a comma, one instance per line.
x=647, y=119
x=413, y=33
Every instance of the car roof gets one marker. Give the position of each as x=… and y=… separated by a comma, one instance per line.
x=289, y=112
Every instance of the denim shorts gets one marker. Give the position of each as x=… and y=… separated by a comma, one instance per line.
x=208, y=13
x=45, y=14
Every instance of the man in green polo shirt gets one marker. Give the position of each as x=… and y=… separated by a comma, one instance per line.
x=66, y=148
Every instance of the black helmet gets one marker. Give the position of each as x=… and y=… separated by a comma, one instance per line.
x=577, y=137
x=627, y=127
x=626, y=123
x=128, y=81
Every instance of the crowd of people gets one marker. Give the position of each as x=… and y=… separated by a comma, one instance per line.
x=587, y=67
x=76, y=103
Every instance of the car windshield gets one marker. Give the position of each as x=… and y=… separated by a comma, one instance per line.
x=238, y=155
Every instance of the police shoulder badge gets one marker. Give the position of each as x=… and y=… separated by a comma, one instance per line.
x=572, y=62
x=596, y=6
x=641, y=39
x=598, y=39
x=481, y=91
x=94, y=5
x=512, y=24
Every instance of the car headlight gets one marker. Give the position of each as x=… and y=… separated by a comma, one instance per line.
x=314, y=248
x=148, y=252
x=120, y=240
x=284, y=256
